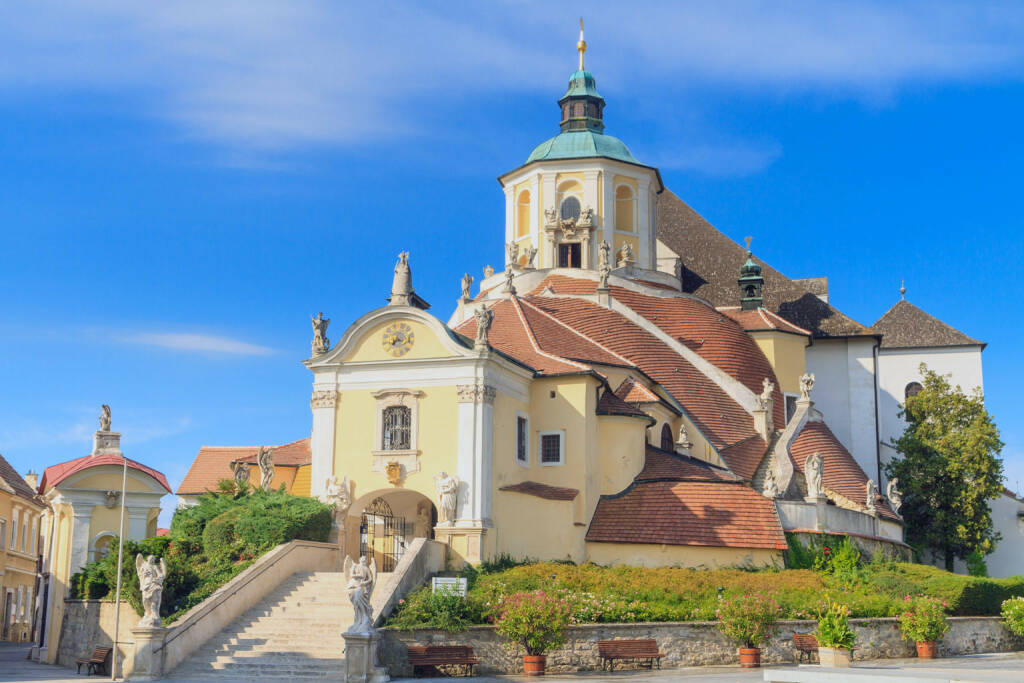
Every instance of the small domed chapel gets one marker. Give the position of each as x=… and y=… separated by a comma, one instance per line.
x=620, y=392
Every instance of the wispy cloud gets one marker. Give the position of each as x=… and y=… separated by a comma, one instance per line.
x=269, y=75
x=78, y=431
x=202, y=343
x=725, y=159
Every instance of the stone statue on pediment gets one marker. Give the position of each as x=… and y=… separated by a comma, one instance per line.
x=320, y=342
x=530, y=253
x=104, y=418
x=512, y=252
x=483, y=318
x=806, y=385
x=872, y=496
x=467, y=282
x=401, y=286
x=813, y=470
x=894, y=495
x=447, y=496
x=151, y=583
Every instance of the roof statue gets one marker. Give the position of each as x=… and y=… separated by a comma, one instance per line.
x=401, y=286
x=510, y=275
x=894, y=495
x=813, y=467
x=488, y=271
x=872, y=496
x=467, y=282
x=483, y=317
x=265, y=459
x=771, y=485
x=512, y=251
x=530, y=253
x=806, y=385
x=151, y=582
x=626, y=257
x=360, y=580
x=104, y=418
x=320, y=342
x=604, y=269
x=764, y=399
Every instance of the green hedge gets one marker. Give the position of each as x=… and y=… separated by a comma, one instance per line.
x=208, y=545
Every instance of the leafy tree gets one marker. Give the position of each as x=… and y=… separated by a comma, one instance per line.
x=949, y=471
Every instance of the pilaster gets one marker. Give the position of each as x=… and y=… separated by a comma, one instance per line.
x=475, y=443
x=138, y=517
x=607, y=209
x=646, y=241
x=324, y=404
x=81, y=520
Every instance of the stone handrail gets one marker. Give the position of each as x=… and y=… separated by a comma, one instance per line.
x=421, y=560
x=229, y=601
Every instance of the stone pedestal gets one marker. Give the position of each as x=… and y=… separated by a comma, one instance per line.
x=820, y=511
x=148, y=661
x=361, y=659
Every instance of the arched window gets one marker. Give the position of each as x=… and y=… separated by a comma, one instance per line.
x=625, y=209
x=913, y=389
x=668, y=442
x=100, y=546
x=570, y=208
x=523, y=214
x=397, y=421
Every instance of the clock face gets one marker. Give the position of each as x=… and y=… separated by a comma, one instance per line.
x=398, y=339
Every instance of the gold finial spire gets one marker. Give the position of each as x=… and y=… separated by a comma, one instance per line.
x=748, y=240
x=581, y=45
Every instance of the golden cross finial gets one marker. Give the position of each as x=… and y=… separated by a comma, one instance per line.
x=581, y=45
x=748, y=239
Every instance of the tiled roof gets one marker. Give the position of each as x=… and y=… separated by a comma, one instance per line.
x=697, y=513
x=840, y=472
x=632, y=391
x=533, y=488
x=55, y=474
x=907, y=326
x=16, y=482
x=610, y=404
x=744, y=457
x=213, y=463
x=711, y=263
x=662, y=465
x=761, y=319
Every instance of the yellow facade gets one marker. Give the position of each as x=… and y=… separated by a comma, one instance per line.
x=786, y=353
x=20, y=520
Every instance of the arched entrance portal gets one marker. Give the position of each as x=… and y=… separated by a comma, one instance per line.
x=386, y=525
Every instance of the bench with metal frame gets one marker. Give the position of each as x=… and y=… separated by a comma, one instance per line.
x=97, y=663
x=806, y=646
x=425, y=659
x=640, y=650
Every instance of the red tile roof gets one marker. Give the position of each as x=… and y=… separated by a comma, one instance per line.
x=632, y=391
x=610, y=404
x=662, y=465
x=213, y=463
x=533, y=488
x=744, y=457
x=55, y=474
x=695, y=513
x=161, y=531
x=761, y=319
x=840, y=472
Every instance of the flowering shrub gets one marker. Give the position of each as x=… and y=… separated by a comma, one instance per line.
x=534, y=620
x=748, y=621
x=924, y=620
x=1013, y=615
x=834, y=626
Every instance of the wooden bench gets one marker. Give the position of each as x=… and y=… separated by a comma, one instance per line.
x=95, y=664
x=425, y=660
x=643, y=649
x=806, y=645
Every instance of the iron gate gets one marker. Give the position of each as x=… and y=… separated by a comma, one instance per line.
x=382, y=535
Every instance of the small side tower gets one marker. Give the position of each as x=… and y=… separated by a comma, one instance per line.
x=751, y=283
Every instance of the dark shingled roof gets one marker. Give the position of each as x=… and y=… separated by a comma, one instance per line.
x=907, y=326
x=711, y=263
x=14, y=480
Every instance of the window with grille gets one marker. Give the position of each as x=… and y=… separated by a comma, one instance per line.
x=551, y=448
x=570, y=208
x=397, y=421
x=522, y=440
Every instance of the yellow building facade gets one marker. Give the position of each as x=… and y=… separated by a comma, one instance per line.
x=21, y=513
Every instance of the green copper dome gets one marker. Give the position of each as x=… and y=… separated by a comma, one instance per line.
x=581, y=144
x=582, y=84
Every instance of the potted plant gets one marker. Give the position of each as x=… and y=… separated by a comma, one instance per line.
x=536, y=621
x=1013, y=615
x=748, y=621
x=834, y=635
x=924, y=622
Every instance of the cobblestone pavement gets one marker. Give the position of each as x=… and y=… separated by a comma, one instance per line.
x=15, y=667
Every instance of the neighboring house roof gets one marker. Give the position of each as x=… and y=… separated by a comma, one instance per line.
x=907, y=326
x=533, y=488
x=711, y=263
x=687, y=505
x=213, y=463
x=15, y=482
x=161, y=531
x=840, y=472
x=55, y=474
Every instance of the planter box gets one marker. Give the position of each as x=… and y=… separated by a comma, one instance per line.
x=834, y=657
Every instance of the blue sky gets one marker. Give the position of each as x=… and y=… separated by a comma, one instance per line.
x=184, y=184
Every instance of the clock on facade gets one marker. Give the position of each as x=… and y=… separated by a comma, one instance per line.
x=398, y=339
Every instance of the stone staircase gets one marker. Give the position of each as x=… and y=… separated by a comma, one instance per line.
x=294, y=633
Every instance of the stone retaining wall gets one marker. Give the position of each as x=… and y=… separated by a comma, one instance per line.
x=90, y=623
x=693, y=643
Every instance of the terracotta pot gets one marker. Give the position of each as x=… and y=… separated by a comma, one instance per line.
x=836, y=657
x=926, y=649
x=533, y=665
x=750, y=657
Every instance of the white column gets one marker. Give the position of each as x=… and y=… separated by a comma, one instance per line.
x=82, y=519
x=475, y=441
x=608, y=211
x=535, y=210
x=549, y=199
x=324, y=405
x=645, y=247
x=138, y=517
x=510, y=219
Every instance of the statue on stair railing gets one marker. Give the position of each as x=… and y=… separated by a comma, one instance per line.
x=360, y=579
x=151, y=582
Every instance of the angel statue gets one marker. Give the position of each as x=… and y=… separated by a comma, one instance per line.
x=105, y=418
x=448, y=496
x=894, y=495
x=338, y=494
x=806, y=385
x=151, y=581
x=320, y=342
x=483, y=318
x=529, y=254
x=467, y=282
x=360, y=578
x=812, y=473
x=265, y=459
